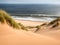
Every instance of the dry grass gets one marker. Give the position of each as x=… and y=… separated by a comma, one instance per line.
x=22, y=26
x=54, y=23
x=5, y=17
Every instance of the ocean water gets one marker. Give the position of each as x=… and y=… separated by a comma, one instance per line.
x=31, y=8
x=34, y=12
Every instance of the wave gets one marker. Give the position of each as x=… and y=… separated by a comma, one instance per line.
x=36, y=15
x=43, y=19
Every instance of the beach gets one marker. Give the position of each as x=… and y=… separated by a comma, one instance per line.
x=15, y=32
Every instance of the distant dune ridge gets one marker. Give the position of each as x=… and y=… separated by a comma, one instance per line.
x=52, y=29
x=46, y=26
x=53, y=25
x=11, y=36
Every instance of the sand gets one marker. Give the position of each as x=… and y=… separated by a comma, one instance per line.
x=10, y=36
x=29, y=23
x=54, y=34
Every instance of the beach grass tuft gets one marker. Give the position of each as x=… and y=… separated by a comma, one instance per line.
x=5, y=17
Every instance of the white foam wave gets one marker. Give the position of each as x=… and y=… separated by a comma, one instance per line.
x=45, y=19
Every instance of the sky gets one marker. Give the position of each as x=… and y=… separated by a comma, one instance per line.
x=31, y=1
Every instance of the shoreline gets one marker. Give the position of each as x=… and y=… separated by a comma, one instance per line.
x=35, y=19
x=29, y=23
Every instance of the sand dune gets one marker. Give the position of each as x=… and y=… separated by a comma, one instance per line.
x=54, y=34
x=11, y=33
x=10, y=36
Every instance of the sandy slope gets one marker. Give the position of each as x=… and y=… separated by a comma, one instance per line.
x=54, y=34
x=10, y=36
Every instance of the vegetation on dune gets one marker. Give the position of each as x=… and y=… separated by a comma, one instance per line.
x=54, y=23
x=38, y=27
x=5, y=17
x=1, y=18
x=22, y=26
x=43, y=24
x=30, y=27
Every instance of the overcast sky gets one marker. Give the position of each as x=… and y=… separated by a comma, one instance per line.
x=31, y=1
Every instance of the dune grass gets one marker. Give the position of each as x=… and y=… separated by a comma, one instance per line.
x=1, y=18
x=55, y=25
x=22, y=26
x=5, y=17
x=54, y=21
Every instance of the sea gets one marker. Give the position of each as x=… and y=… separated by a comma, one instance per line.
x=32, y=12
